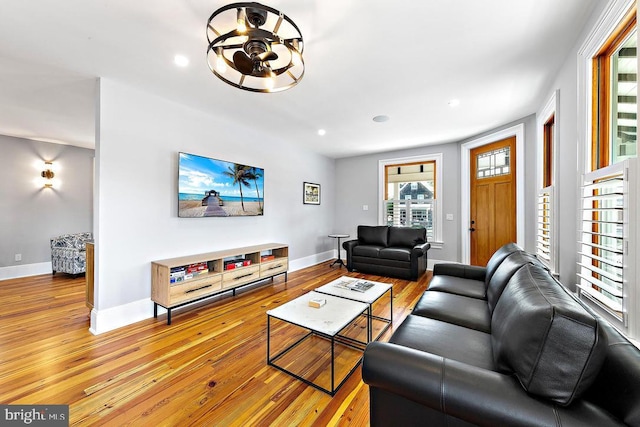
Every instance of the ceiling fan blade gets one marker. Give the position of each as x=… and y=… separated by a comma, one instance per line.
x=268, y=56
x=243, y=63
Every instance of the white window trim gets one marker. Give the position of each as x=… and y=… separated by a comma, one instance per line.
x=551, y=108
x=611, y=17
x=465, y=214
x=437, y=157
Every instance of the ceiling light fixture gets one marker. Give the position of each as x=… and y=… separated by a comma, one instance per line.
x=322, y=132
x=255, y=47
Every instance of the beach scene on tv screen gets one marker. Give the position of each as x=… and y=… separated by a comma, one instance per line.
x=211, y=188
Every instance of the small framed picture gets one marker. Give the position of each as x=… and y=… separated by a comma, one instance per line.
x=311, y=193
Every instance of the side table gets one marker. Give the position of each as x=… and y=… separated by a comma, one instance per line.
x=339, y=260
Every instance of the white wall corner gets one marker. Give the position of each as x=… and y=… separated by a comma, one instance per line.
x=116, y=317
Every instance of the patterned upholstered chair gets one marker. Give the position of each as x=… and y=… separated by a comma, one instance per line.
x=68, y=253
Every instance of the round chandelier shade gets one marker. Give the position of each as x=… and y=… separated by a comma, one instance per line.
x=255, y=47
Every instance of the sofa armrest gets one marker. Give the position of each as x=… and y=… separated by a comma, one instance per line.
x=466, y=392
x=421, y=249
x=464, y=271
x=348, y=246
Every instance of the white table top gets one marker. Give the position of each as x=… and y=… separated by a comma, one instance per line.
x=339, y=235
x=329, y=319
x=369, y=296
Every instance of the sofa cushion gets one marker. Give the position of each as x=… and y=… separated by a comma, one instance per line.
x=457, y=309
x=373, y=235
x=459, y=286
x=497, y=258
x=400, y=254
x=372, y=251
x=446, y=340
x=507, y=268
x=406, y=236
x=541, y=333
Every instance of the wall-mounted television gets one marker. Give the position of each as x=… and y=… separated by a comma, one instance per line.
x=211, y=188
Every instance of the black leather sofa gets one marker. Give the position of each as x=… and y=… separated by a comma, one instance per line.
x=388, y=251
x=505, y=345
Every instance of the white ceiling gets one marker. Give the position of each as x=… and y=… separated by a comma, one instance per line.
x=403, y=58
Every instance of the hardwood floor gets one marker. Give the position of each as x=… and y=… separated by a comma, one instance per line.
x=207, y=368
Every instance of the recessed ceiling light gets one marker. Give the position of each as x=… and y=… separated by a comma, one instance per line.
x=454, y=103
x=181, y=61
x=322, y=132
x=381, y=118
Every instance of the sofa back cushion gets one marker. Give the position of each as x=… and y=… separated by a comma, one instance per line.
x=497, y=258
x=373, y=235
x=407, y=236
x=507, y=268
x=552, y=344
x=617, y=387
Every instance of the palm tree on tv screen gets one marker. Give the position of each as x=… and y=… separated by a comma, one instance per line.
x=241, y=176
x=254, y=174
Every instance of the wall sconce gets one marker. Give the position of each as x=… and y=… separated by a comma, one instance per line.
x=48, y=174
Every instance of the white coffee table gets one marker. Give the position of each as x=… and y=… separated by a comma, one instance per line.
x=338, y=288
x=326, y=322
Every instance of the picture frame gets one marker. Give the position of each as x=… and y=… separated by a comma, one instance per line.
x=310, y=193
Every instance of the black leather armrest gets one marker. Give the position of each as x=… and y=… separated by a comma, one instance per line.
x=460, y=270
x=466, y=392
x=421, y=249
x=349, y=244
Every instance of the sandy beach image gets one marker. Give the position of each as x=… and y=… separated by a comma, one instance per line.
x=194, y=209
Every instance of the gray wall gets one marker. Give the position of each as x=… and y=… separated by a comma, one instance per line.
x=30, y=214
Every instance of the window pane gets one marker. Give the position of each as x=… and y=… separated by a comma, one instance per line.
x=410, y=181
x=493, y=163
x=624, y=76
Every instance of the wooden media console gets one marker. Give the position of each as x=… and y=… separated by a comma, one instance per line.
x=179, y=281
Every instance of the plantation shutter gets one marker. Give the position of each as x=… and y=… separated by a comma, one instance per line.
x=604, y=237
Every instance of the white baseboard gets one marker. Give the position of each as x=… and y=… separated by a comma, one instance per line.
x=15, y=271
x=300, y=263
x=116, y=317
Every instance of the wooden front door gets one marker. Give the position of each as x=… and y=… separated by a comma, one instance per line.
x=493, y=198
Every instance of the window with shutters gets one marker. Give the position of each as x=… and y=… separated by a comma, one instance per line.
x=604, y=233
x=545, y=236
x=608, y=206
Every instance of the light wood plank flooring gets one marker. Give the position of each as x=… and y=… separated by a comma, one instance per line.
x=206, y=369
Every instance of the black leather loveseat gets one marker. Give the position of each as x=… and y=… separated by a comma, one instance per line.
x=388, y=251
x=505, y=345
